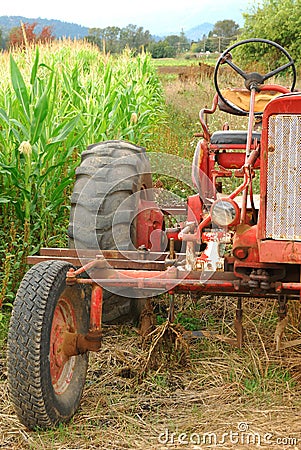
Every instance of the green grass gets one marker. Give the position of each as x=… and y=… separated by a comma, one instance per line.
x=4, y=322
x=170, y=62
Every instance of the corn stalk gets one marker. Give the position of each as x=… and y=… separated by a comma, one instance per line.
x=54, y=101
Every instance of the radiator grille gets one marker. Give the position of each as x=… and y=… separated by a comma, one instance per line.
x=283, y=219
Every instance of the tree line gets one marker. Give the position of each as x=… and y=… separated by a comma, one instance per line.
x=113, y=39
x=277, y=20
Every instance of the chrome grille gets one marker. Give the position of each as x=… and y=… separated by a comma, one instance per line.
x=283, y=219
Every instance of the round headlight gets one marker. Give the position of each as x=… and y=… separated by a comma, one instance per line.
x=225, y=212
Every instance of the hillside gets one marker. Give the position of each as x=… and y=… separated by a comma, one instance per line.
x=59, y=28
x=197, y=33
x=73, y=30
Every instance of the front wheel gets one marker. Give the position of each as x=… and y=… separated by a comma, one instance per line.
x=45, y=385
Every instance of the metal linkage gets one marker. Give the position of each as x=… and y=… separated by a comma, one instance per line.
x=76, y=343
x=282, y=324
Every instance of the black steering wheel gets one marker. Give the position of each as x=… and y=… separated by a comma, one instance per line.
x=253, y=79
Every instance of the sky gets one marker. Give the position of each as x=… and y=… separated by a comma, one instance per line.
x=157, y=16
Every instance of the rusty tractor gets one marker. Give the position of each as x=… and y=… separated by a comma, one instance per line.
x=121, y=252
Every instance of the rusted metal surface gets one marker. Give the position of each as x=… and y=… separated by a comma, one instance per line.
x=64, y=318
x=275, y=87
x=95, y=308
x=175, y=210
x=69, y=252
x=149, y=224
x=154, y=283
x=37, y=259
x=147, y=319
x=108, y=258
x=76, y=344
x=254, y=257
x=203, y=119
x=107, y=254
x=280, y=251
x=280, y=287
x=111, y=263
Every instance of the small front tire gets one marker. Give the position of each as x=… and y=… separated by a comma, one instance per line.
x=45, y=385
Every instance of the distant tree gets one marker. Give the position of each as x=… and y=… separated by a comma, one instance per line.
x=107, y=39
x=114, y=39
x=94, y=37
x=184, y=43
x=46, y=34
x=111, y=39
x=134, y=37
x=180, y=42
x=170, y=46
x=224, y=31
x=277, y=20
x=197, y=47
x=19, y=36
x=162, y=49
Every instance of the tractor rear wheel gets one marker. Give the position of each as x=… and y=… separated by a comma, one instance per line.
x=45, y=385
x=109, y=174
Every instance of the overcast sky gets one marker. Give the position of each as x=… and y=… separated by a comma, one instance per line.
x=157, y=16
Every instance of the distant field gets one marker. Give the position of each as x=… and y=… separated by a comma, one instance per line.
x=184, y=61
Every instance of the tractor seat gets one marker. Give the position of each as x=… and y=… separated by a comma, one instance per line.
x=234, y=137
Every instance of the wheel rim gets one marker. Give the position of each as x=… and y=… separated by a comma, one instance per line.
x=61, y=366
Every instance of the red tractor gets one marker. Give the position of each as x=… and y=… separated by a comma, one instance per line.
x=121, y=252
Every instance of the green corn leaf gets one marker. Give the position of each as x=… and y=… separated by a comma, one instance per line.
x=59, y=189
x=39, y=115
x=53, y=88
x=108, y=80
x=22, y=128
x=51, y=169
x=19, y=87
x=55, y=204
x=34, y=69
x=4, y=116
x=64, y=130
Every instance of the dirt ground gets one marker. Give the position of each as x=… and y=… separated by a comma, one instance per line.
x=188, y=73
x=197, y=393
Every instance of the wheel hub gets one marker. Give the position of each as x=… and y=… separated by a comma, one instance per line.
x=61, y=366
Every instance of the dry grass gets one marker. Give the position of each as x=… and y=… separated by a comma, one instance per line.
x=215, y=390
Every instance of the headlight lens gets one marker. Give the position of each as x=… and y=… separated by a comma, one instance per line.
x=225, y=212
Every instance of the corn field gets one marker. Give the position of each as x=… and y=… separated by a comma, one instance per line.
x=56, y=99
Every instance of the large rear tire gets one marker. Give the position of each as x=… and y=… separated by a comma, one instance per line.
x=45, y=385
x=109, y=174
